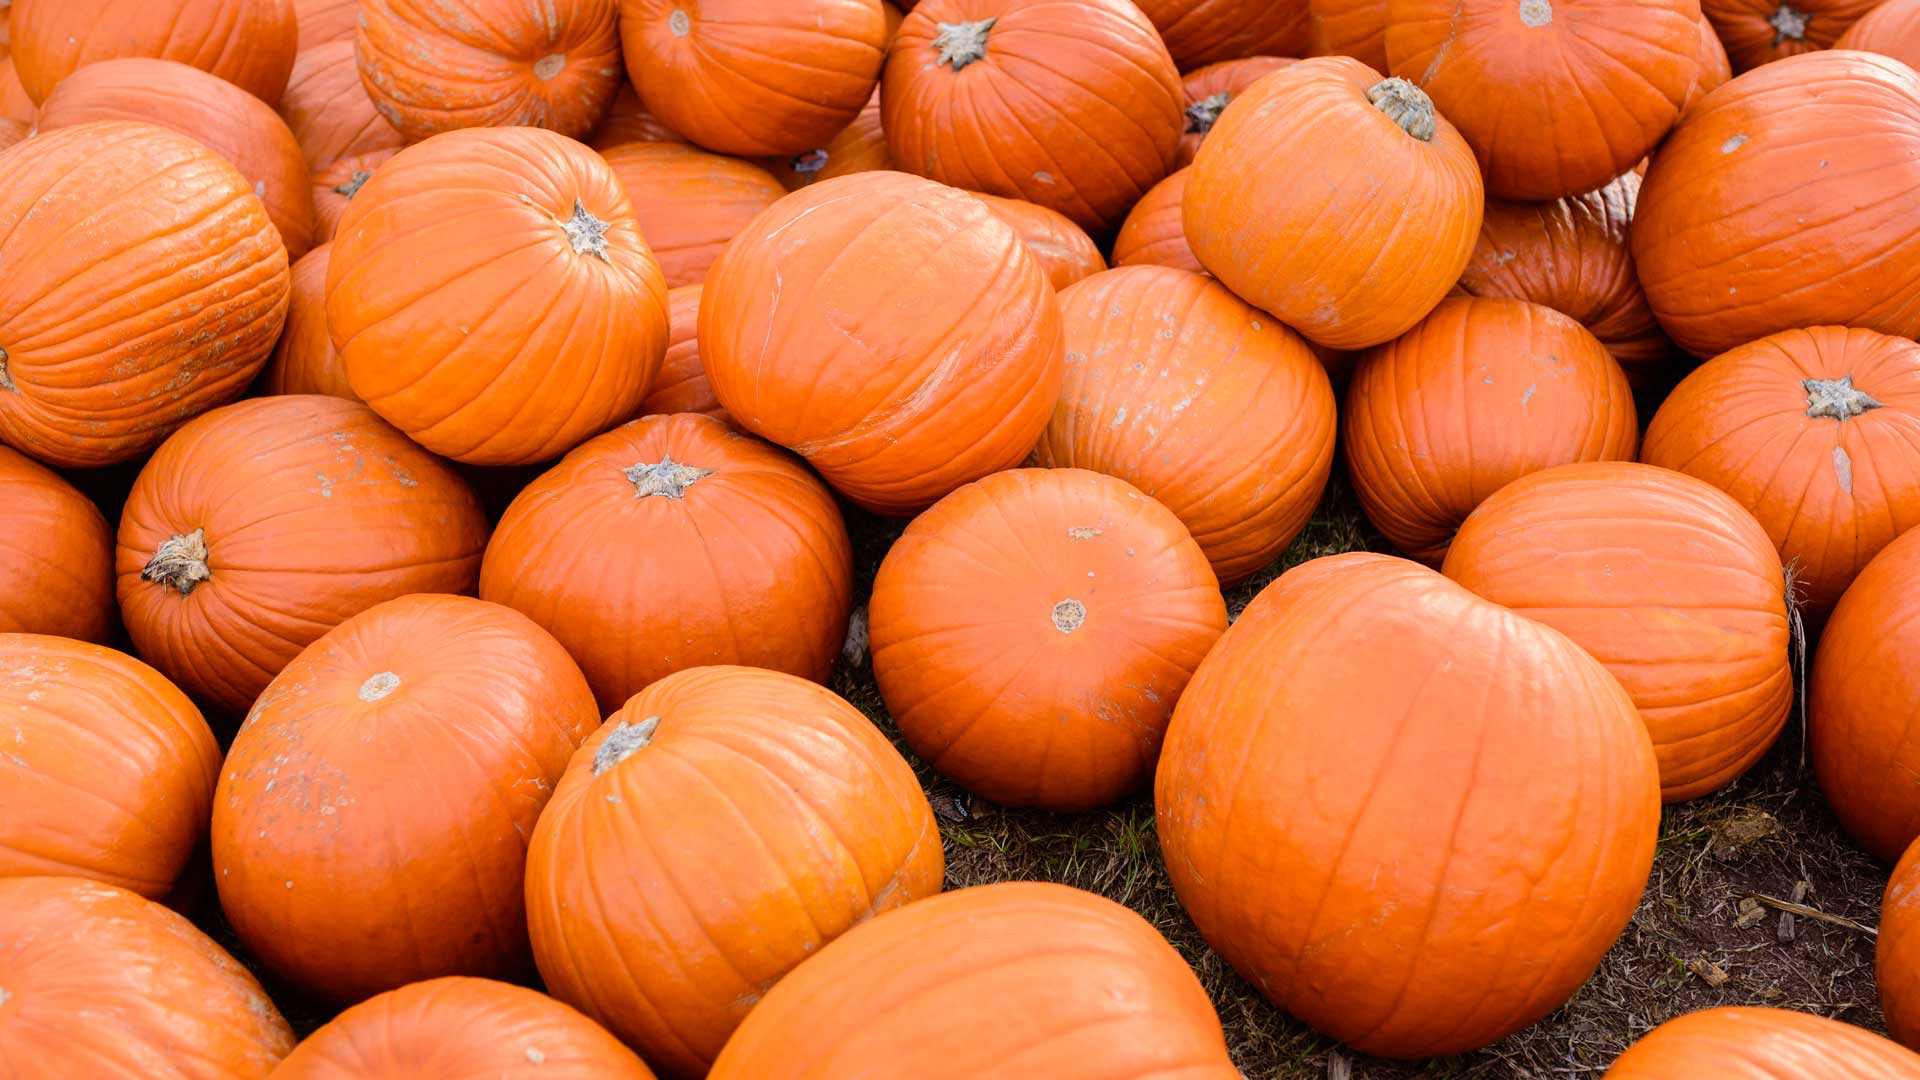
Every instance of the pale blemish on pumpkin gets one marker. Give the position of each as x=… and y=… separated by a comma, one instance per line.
x=680, y=23
x=1843, y=469
x=1733, y=144
x=1083, y=532
x=1069, y=615
x=536, y=1056
x=1043, y=176
x=548, y=66
x=1528, y=396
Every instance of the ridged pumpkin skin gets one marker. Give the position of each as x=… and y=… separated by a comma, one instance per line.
x=56, y=555
x=1202, y=32
x=459, y=1028
x=1896, y=960
x=493, y=297
x=1762, y=1044
x=1210, y=406
x=1210, y=89
x=1015, y=979
x=674, y=542
x=1774, y=206
x=322, y=21
x=1715, y=69
x=1757, y=32
x=336, y=185
x=1892, y=28
x=918, y=344
x=637, y=924
x=109, y=769
x=260, y=526
x=1481, y=393
x=328, y=110
x=1356, y=28
x=14, y=102
x=690, y=203
x=1064, y=250
x=1415, y=819
x=249, y=43
x=861, y=146
x=1664, y=579
x=752, y=78
x=627, y=120
x=1832, y=470
x=13, y=131
x=305, y=361
x=1360, y=242
x=1154, y=233
x=104, y=984
x=682, y=384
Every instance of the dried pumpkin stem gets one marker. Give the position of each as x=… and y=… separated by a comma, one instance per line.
x=6, y=380
x=353, y=184
x=1202, y=114
x=180, y=563
x=667, y=478
x=1068, y=615
x=379, y=686
x=547, y=67
x=1536, y=12
x=1406, y=105
x=587, y=234
x=623, y=742
x=1836, y=399
x=961, y=43
x=1789, y=24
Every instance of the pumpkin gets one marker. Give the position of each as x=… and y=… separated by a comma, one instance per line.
x=1892, y=28
x=459, y=1028
x=1071, y=104
x=1415, y=819
x=526, y=237
x=1064, y=250
x=145, y=284
x=1209, y=89
x=430, y=68
x=1897, y=950
x=1018, y=978
x=1668, y=582
x=861, y=146
x=323, y=21
x=56, y=555
x=689, y=203
x=868, y=278
x=336, y=185
x=14, y=102
x=1206, y=404
x=682, y=384
x=1817, y=432
x=1154, y=233
x=1356, y=28
x=1481, y=393
x=1715, y=69
x=673, y=542
x=1751, y=1043
x=13, y=131
x=1757, y=32
x=1201, y=32
x=262, y=525
x=634, y=920
x=328, y=110
x=249, y=43
x=1773, y=207
x=752, y=78
x=102, y=983
x=305, y=361
x=1346, y=263
x=628, y=121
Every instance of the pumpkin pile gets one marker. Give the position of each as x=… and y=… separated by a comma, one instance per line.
x=440, y=447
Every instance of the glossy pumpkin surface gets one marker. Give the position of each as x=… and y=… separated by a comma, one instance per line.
x=1154, y=233
x=1762, y=1044
x=690, y=203
x=1064, y=251
x=249, y=43
x=56, y=555
x=682, y=386
x=328, y=110
x=1896, y=959
x=305, y=361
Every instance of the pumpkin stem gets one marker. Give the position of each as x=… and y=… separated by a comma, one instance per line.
x=680, y=23
x=353, y=184
x=961, y=43
x=587, y=234
x=1789, y=24
x=1068, y=615
x=809, y=163
x=379, y=686
x=669, y=478
x=547, y=67
x=6, y=380
x=623, y=742
x=1406, y=105
x=180, y=562
x=1836, y=398
x=1536, y=12
x=1202, y=114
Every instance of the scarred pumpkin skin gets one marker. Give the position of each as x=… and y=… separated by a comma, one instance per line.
x=1714, y=67
x=1441, y=860
x=335, y=186
x=1017, y=978
x=1757, y=32
x=690, y=203
x=1210, y=89
x=249, y=43
x=1154, y=233
x=56, y=555
x=674, y=542
x=867, y=278
x=1064, y=250
x=861, y=146
x=682, y=385
x=322, y=21
x=1752, y=1043
x=305, y=361
x=1202, y=32
x=1892, y=28
x=173, y=1005
x=628, y=121
x=328, y=110
x=112, y=234
x=1896, y=961
x=636, y=923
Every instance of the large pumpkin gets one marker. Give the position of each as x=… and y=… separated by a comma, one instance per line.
x=1664, y=579
x=1415, y=819
x=56, y=555
x=305, y=361
x=1715, y=68
x=1064, y=250
x=13, y=131
x=1361, y=240
x=14, y=102
x=249, y=43
x=682, y=385
x=1015, y=979
x=335, y=186
x=627, y=120
x=328, y=110
x=636, y=921
x=323, y=21
x=493, y=298
x=1817, y=432
x=1071, y=104
x=918, y=343
x=1757, y=32
x=1201, y=32
x=260, y=526
x=1210, y=89
x=690, y=203
x=145, y=284
x=1896, y=961
x=1762, y=1044
x=1481, y=393
x=861, y=146
x=1783, y=201
x=1154, y=233
x=1208, y=405
x=1892, y=28
x=1356, y=28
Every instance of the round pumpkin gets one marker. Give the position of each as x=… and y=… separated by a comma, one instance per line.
x=1356, y=249
x=1017, y=978
x=1896, y=960
x=145, y=284
x=1481, y=393
x=1356, y=28
x=752, y=78
x=1201, y=32
x=1064, y=250
x=262, y=525
x=493, y=297
x=1757, y=32
x=1892, y=28
x=628, y=121
x=634, y=919
x=323, y=21
x=13, y=131
x=1817, y=432
x=1209, y=90
x=682, y=384
x=1208, y=405
x=249, y=43
x=103, y=984
x=1752, y=1043
x=328, y=110
x=1715, y=69
x=335, y=186
x=305, y=361
x=1415, y=819
x=918, y=344
x=1154, y=233
x=56, y=555
x=14, y=102
x=690, y=203
x=861, y=146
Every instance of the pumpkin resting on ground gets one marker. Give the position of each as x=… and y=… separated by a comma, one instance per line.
x=249, y=43
x=1896, y=961
x=56, y=555
x=1762, y=1044
x=305, y=361
x=682, y=384
x=1064, y=251
x=690, y=203
x=1154, y=233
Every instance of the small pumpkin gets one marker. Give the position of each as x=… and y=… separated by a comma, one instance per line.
x=328, y=110
x=1757, y=32
x=1751, y=1043
x=1064, y=250
x=682, y=384
x=1154, y=233
x=249, y=43
x=1896, y=962
x=1715, y=68
x=322, y=21
x=336, y=185
x=1356, y=28
x=1209, y=89
x=1202, y=32
x=628, y=121
x=56, y=555
x=305, y=361
x=1892, y=28
x=690, y=203
x=861, y=146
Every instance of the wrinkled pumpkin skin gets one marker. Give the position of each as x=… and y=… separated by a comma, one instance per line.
x=1762, y=1044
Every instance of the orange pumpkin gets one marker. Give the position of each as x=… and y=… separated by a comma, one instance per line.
x=673, y=542
x=1346, y=262
x=145, y=284
x=1757, y=32
x=682, y=385
x=13, y=131
x=867, y=276
x=752, y=78
x=335, y=186
x=14, y=102
x=328, y=110
x=628, y=121
x=1018, y=978
x=1715, y=69
x=1817, y=432
x=1439, y=859
x=861, y=146
x=1200, y=32
x=56, y=555
x=1209, y=89
x=634, y=920
x=1064, y=250
x=1356, y=28
x=262, y=525
x=690, y=203
x=1892, y=28
x=1762, y=1044
x=322, y=21
x=1208, y=405
x=249, y=43
x=493, y=297
x=305, y=361
x=1897, y=950
x=1154, y=233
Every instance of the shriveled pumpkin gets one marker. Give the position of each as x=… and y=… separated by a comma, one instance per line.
x=322, y=21
x=335, y=186
x=1205, y=403
x=262, y=525
x=1481, y=393
x=103, y=984
x=305, y=361
x=56, y=555
x=861, y=146
x=1415, y=819
x=672, y=542
x=1356, y=28
x=1896, y=961
x=870, y=280
x=145, y=283
x=1361, y=239
x=1715, y=69
x=1154, y=233
x=328, y=110
x=752, y=78
x=493, y=297
x=682, y=385
x=1892, y=28
x=628, y=121
x=690, y=203
x=1751, y=1043
x=1757, y=32
x=249, y=43
x=1817, y=432
x=1209, y=89
x=1201, y=32
x=1071, y=104
x=1064, y=250
x=635, y=920
x=1017, y=978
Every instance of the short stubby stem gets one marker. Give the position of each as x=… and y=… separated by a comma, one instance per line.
x=1406, y=105
x=1202, y=114
x=587, y=234
x=667, y=478
x=180, y=563
x=625, y=740
x=1836, y=399
x=1789, y=24
x=961, y=43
